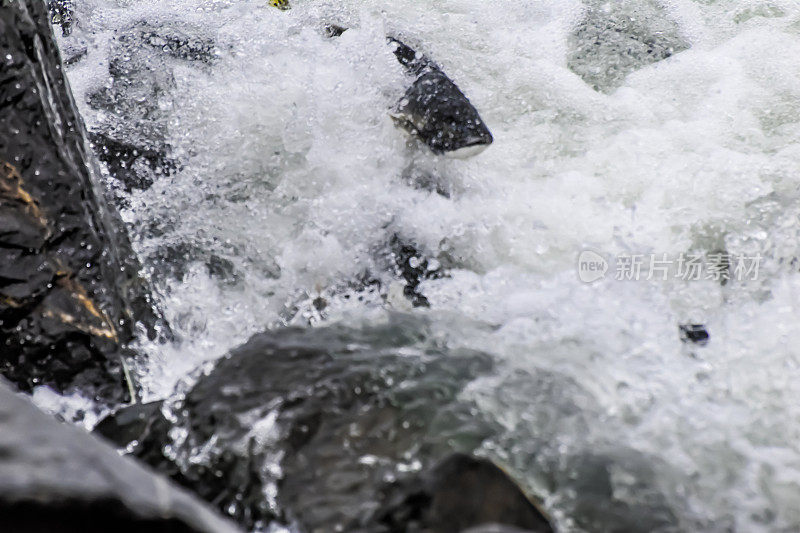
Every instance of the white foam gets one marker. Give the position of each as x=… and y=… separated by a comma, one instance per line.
x=292, y=161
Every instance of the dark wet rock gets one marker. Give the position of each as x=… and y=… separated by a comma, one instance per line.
x=136, y=167
x=333, y=30
x=459, y=493
x=54, y=477
x=413, y=267
x=172, y=261
x=69, y=284
x=694, y=333
x=132, y=424
x=617, y=38
x=322, y=420
x=132, y=138
x=220, y=268
x=339, y=427
x=435, y=110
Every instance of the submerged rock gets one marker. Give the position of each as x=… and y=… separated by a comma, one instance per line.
x=617, y=38
x=594, y=483
x=69, y=284
x=54, y=477
x=132, y=138
x=174, y=42
x=694, y=333
x=617, y=491
x=173, y=260
x=333, y=30
x=341, y=428
x=413, y=267
x=459, y=493
x=136, y=167
x=435, y=110
x=132, y=423
x=314, y=427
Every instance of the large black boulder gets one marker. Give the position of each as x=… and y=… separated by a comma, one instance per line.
x=373, y=429
x=54, y=477
x=69, y=283
x=327, y=428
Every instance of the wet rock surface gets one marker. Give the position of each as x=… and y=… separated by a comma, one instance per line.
x=618, y=490
x=459, y=493
x=617, y=38
x=131, y=423
x=329, y=429
x=374, y=430
x=69, y=285
x=54, y=477
x=136, y=167
x=133, y=139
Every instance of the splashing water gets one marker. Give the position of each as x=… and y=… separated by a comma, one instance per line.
x=279, y=184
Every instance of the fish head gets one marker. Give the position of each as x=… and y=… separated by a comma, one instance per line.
x=283, y=5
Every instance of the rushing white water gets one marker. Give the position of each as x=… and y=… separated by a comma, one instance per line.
x=294, y=178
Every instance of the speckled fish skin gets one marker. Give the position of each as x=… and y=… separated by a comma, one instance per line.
x=435, y=110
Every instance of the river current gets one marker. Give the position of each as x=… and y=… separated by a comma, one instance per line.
x=276, y=190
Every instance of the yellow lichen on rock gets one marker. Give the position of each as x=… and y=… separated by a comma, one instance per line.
x=11, y=189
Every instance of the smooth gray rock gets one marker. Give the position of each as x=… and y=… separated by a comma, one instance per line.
x=54, y=477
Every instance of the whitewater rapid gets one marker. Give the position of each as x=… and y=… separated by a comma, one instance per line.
x=290, y=181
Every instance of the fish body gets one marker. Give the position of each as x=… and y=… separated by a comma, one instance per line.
x=434, y=109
